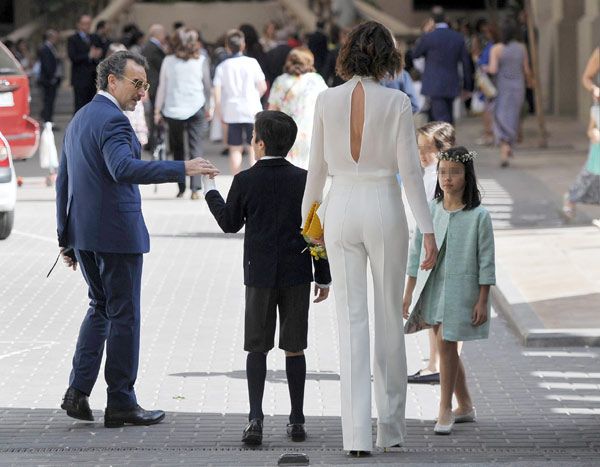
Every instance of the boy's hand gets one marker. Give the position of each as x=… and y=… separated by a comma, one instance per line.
x=321, y=293
x=479, y=313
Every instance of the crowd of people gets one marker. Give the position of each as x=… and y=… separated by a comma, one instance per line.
x=280, y=99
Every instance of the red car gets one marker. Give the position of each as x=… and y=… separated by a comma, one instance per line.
x=21, y=131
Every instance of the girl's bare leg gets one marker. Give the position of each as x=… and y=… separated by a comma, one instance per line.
x=434, y=355
x=461, y=391
x=448, y=372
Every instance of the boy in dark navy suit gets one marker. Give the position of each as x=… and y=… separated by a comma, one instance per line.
x=267, y=199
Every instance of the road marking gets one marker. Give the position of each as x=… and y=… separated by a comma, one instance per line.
x=18, y=352
x=37, y=237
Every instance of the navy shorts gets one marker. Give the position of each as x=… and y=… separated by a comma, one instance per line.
x=239, y=134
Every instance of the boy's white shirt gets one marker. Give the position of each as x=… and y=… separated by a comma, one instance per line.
x=208, y=184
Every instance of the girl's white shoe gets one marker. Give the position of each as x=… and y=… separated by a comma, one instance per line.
x=440, y=429
x=466, y=418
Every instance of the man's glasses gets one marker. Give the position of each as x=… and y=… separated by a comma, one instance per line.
x=138, y=83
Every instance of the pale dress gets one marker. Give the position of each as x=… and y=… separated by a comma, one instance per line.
x=296, y=96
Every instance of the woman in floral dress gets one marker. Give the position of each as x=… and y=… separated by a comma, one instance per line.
x=295, y=93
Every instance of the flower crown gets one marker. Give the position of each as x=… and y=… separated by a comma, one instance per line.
x=466, y=157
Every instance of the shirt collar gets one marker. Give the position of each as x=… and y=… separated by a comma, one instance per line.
x=266, y=158
x=431, y=168
x=111, y=98
x=156, y=42
x=441, y=25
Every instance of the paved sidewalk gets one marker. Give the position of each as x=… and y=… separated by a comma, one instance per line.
x=534, y=406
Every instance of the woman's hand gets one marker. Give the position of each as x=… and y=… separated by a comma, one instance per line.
x=431, y=252
x=479, y=313
x=408, y=293
x=406, y=305
x=157, y=118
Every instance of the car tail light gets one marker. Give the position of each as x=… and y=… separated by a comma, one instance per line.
x=4, y=152
x=4, y=162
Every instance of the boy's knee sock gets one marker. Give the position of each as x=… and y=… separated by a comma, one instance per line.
x=295, y=368
x=256, y=373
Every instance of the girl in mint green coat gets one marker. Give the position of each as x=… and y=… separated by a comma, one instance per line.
x=453, y=297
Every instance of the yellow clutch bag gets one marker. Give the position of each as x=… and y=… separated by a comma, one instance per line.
x=312, y=226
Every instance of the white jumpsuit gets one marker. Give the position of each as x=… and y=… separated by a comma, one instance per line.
x=363, y=217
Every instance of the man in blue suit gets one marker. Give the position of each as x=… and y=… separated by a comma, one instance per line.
x=101, y=228
x=443, y=49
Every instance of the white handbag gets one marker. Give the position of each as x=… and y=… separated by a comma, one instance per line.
x=48, y=152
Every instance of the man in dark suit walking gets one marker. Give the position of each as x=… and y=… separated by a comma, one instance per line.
x=154, y=51
x=267, y=198
x=84, y=58
x=101, y=228
x=443, y=49
x=51, y=73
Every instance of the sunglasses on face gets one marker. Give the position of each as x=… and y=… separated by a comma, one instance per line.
x=138, y=83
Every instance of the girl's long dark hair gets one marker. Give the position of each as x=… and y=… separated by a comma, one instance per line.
x=471, y=196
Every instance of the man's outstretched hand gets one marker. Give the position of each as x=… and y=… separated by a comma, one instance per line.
x=199, y=166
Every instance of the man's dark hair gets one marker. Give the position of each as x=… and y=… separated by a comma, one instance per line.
x=178, y=24
x=277, y=130
x=115, y=65
x=471, y=196
x=235, y=40
x=369, y=51
x=438, y=15
x=100, y=25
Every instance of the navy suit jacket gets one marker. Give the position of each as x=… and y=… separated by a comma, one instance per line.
x=267, y=198
x=443, y=50
x=83, y=68
x=98, y=203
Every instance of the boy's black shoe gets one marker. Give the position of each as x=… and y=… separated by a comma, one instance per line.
x=296, y=431
x=253, y=433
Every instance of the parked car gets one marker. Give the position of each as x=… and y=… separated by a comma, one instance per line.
x=8, y=189
x=21, y=131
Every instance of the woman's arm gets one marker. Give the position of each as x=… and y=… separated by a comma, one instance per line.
x=494, y=56
x=161, y=92
x=593, y=131
x=591, y=70
x=527, y=69
x=317, y=167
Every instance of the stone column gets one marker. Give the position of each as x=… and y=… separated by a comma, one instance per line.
x=543, y=13
x=565, y=62
x=588, y=38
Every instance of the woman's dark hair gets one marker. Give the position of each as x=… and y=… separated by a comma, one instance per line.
x=509, y=31
x=277, y=130
x=471, y=196
x=369, y=51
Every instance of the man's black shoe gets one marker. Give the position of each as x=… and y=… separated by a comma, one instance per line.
x=296, y=431
x=253, y=433
x=115, y=418
x=76, y=404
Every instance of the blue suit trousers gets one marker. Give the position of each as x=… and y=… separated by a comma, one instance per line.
x=114, y=285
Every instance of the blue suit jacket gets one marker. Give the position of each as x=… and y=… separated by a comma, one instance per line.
x=98, y=203
x=443, y=50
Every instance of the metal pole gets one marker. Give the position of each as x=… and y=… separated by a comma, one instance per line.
x=539, y=110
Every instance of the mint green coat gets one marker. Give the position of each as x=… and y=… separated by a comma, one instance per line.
x=448, y=293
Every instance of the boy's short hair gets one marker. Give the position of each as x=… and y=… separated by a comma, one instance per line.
x=440, y=133
x=277, y=130
x=235, y=40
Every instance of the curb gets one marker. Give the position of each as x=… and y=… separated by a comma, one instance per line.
x=522, y=319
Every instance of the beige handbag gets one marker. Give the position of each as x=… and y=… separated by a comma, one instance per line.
x=485, y=84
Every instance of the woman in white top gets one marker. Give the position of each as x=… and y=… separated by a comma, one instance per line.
x=183, y=98
x=363, y=136
x=295, y=93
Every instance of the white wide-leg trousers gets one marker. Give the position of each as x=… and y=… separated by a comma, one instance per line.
x=364, y=219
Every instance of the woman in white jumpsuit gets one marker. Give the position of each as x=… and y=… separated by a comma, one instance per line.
x=363, y=136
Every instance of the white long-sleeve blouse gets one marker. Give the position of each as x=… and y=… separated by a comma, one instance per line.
x=388, y=145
